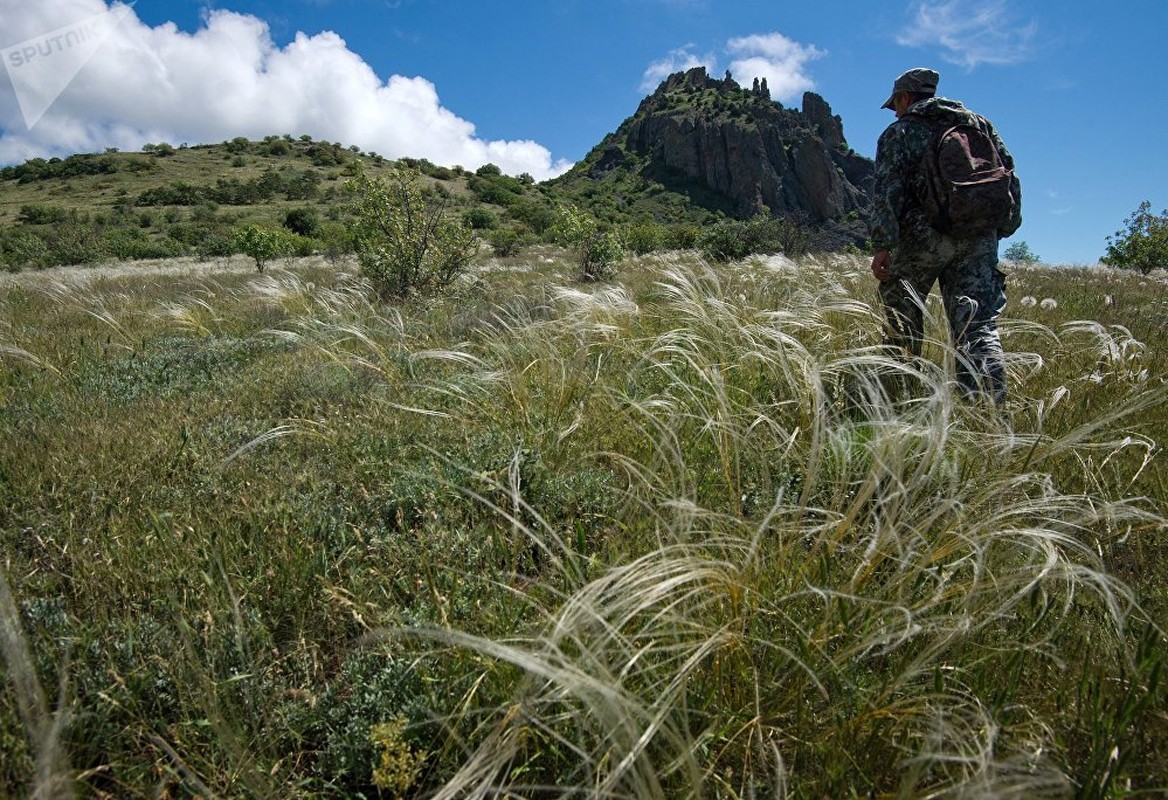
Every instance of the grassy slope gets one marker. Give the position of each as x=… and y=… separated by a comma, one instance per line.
x=658, y=536
x=201, y=165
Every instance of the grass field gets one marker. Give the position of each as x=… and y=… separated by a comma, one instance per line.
x=661, y=537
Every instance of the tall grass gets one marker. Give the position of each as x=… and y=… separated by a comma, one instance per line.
x=683, y=535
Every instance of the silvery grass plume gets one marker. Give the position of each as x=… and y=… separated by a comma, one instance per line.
x=349, y=327
x=824, y=607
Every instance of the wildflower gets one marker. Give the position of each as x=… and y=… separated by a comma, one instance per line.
x=398, y=766
x=1029, y=302
x=1048, y=304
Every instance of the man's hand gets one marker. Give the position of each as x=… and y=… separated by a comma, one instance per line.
x=882, y=266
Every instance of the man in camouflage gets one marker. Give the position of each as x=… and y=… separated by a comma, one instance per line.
x=910, y=255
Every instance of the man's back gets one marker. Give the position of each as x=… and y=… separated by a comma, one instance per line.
x=902, y=184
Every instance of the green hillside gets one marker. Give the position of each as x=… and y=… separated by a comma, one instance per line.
x=169, y=201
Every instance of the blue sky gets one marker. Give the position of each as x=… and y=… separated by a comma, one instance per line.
x=1075, y=87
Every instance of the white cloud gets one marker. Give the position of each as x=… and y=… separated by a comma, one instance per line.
x=229, y=79
x=774, y=57
x=970, y=32
x=768, y=55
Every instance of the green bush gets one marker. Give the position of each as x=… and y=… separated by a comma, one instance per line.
x=215, y=245
x=507, y=241
x=537, y=215
x=600, y=255
x=480, y=219
x=406, y=243
x=731, y=240
x=572, y=226
x=260, y=243
x=1143, y=245
x=303, y=221
x=75, y=243
x=646, y=237
x=684, y=237
x=20, y=249
x=335, y=239
x=599, y=250
x=498, y=190
x=41, y=214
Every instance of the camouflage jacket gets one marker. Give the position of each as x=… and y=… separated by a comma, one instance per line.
x=897, y=213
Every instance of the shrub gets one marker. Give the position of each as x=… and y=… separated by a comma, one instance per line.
x=598, y=250
x=277, y=147
x=536, y=215
x=302, y=221
x=39, y=214
x=74, y=243
x=336, y=240
x=725, y=241
x=507, y=241
x=600, y=255
x=1143, y=245
x=646, y=237
x=572, y=227
x=498, y=190
x=684, y=237
x=480, y=219
x=22, y=248
x=731, y=240
x=215, y=245
x=406, y=243
x=260, y=243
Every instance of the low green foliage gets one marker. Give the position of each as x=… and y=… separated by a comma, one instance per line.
x=730, y=240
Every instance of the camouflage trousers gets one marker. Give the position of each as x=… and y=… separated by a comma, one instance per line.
x=973, y=291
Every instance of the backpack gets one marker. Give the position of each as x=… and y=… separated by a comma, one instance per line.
x=969, y=189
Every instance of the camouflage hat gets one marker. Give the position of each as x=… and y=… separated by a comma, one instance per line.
x=919, y=80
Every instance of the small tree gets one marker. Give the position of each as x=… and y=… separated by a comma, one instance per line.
x=600, y=255
x=1020, y=251
x=406, y=243
x=599, y=251
x=571, y=227
x=262, y=244
x=1144, y=245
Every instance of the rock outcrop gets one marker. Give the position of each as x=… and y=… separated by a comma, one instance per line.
x=750, y=153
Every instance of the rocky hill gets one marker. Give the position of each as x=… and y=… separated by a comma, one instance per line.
x=734, y=150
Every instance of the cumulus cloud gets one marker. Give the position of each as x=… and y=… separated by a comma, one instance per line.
x=780, y=60
x=226, y=79
x=970, y=32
